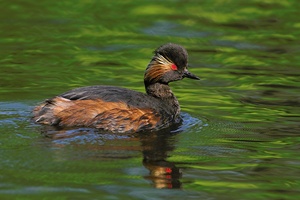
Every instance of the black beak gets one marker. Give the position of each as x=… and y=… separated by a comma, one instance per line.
x=188, y=74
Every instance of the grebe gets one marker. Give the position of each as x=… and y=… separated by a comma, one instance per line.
x=121, y=110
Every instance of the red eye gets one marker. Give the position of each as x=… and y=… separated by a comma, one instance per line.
x=173, y=67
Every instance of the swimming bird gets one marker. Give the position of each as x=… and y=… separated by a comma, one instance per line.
x=121, y=110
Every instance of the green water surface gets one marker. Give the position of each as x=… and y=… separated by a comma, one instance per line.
x=240, y=133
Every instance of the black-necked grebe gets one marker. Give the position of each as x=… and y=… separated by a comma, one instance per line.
x=122, y=110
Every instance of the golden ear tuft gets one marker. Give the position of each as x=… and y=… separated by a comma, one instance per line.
x=158, y=67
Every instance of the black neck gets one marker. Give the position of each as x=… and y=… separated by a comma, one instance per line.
x=158, y=90
x=164, y=92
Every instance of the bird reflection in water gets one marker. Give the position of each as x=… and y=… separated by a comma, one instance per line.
x=155, y=147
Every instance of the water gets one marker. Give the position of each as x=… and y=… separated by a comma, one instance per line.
x=240, y=133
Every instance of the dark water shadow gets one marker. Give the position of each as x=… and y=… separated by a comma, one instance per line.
x=155, y=146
